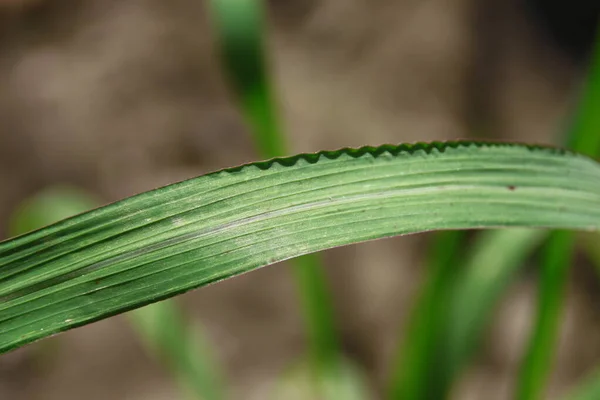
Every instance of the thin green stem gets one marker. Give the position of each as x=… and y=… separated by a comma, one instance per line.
x=554, y=273
x=318, y=311
x=180, y=346
x=584, y=135
x=416, y=355
x=589, y=389
x=240, y=27
x=428, y=362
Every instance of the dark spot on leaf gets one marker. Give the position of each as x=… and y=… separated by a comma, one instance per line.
x=511, y=187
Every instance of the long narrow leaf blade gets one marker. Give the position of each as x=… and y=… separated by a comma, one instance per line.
x=537, y=362
x=161, y=326
x=168, y=241
x=420, y=348
x=240, y=29
x=588, y=390
x=542, y=342
x=589, y=387
x=491, y=264
x=180, y=345
x=495, y=259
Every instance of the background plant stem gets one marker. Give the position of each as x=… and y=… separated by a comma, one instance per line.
x=428, y=361
x=542, y=343
x=416, y=355
x=582, y=137
x=240, y=28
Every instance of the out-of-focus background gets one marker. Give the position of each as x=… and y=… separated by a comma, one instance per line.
x=121, y=96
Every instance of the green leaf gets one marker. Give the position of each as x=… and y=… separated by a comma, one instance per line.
x=47, y=207
x=540, y=353
x=419, y=349
x=161, y=326
x=240, y=27
x=181, y=346
x=492, y=264
x=168, y=241
x=588, y=390
x=583, y=136
x=456, y=306
x=495, y=258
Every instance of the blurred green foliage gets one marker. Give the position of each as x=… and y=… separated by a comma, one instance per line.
x=583, y=136
x=438, y=343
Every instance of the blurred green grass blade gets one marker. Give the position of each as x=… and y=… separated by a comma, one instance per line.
x=462, y=297
x=167, y=241
x=160, y=326
x=584, y=137
x=181, y=346
x=489, y=268
x=540, y=352
x=588, y=390
x=318, y=310
x=240, y=27
x=583, y=134
x=414, y=361
x=433, y=378
x=47, y=207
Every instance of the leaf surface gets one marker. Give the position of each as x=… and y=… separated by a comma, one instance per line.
x=161, y=243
